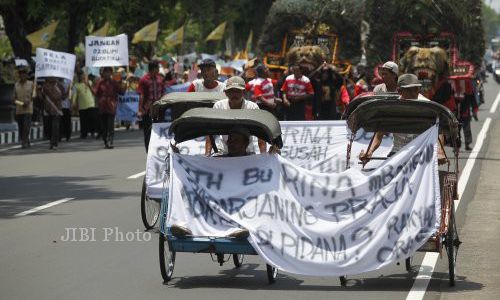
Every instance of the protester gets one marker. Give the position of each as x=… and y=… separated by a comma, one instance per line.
x=297, y=91
x=361, y=82
x=468, y=110
x=209, y=83
x=106, y=92
x=65, y=125
x=234, y=89
x=333, y=96
x=84, y=102
x=24, y=106
x=264, y=90
x=389, y=72
x=95, y=110
x=53, y=94
x=151, y=88
x=408, y=88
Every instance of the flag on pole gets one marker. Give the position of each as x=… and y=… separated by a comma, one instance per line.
x=147, y=34
x=103, y=31
x=248, y=47
x=42, y=37
x=217, y=33
x=175, y=38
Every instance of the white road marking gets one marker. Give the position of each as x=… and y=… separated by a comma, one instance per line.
x=421, y=282
x=135, y=176
x=493, y=108
x=39, y=208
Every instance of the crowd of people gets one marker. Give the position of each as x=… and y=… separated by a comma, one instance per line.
x=297, y=94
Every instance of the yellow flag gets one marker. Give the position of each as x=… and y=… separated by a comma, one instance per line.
x=248, y=47
x=103, y=31
x=217, y=33
x=147, y=34
x=42, y=37
x=175, y=38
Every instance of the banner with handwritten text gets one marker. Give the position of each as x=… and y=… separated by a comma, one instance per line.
x=310, y=223
x=319, y=146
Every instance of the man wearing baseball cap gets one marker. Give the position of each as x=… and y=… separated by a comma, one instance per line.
x=389, y=73
x=209, y=82
x=234, y=90
x=409, y=87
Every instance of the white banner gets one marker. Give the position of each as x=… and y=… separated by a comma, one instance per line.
x=157, y=163
x=111, y=51
x=319, y=146
x=54, y=64
x=312, y=223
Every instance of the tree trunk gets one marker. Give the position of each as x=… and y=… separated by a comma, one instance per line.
x=77, y=12
x=16, y=30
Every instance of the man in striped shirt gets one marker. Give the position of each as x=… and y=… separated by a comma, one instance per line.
x=297, y=91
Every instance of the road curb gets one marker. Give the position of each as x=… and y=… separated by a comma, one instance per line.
x=12, y=137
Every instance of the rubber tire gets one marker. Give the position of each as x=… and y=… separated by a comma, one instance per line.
x=343, y=281
x=272, y=273
x=149, y=224
x=166, y=264
x=408, y=264
x=238, y=260
x=451, y=235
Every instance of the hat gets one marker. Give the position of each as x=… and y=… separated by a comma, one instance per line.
x=207, y=62
x=408, y=81
x=235, y=82
x=391, y=66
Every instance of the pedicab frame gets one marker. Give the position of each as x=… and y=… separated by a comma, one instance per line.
x=168, y=108
x=200, y=122
x=386, y=113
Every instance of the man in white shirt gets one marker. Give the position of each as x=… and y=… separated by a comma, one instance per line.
x=389, y=73
x=234, y=90
x=209, y=83
x=408, y=88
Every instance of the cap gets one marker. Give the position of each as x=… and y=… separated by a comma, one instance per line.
x=391, y=66
x=235, y=82
x=207, y=62
x=408, y=81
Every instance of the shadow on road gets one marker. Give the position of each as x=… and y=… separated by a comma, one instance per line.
x=20, y=193
x=248, y=277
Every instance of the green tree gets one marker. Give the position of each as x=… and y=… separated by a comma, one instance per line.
x=491, y=22
x=424, y=17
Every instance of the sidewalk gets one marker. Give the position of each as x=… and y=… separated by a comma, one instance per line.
x=12, y=137
x=478, y=257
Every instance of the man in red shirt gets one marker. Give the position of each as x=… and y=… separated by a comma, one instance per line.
x=209, y=83
x=263, y=90
x=297, y=91
x=151, y=88
x=106, y=92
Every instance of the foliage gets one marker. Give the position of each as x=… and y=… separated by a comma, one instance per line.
x=5, y=48
x=343, y=16
x=491, y=22
x=462, y=17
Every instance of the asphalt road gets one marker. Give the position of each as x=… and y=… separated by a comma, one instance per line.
x=121, y=260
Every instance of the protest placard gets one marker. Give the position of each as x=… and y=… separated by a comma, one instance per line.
x=111, y=51
x=128, y=106
x=54, y=64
